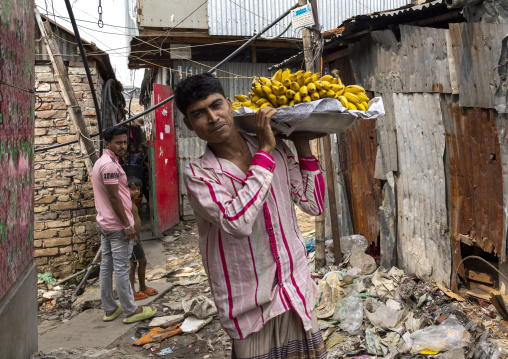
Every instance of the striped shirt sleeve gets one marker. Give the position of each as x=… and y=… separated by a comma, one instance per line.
x=236, y=213
x=307, y=183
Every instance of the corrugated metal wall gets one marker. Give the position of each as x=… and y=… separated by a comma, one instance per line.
x=476, y=51
x=423, y=240
x=442, y=149
x=190, y=146
x=242, y=18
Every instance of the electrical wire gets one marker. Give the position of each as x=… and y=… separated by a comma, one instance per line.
x=158, y=48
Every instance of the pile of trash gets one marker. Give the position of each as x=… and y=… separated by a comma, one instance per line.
x=365, y=311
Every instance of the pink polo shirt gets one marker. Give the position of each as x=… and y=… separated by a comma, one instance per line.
x=107, y=170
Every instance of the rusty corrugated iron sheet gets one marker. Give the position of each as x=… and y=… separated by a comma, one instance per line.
x=357, y=148
x=16, y=141
x=476, y=52
x=476, y=175
x=423, y=241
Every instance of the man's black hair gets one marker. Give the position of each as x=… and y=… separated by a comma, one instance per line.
x=111, y=132
x=195, y=88
x=131, y=180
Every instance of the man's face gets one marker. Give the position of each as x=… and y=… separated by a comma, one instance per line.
x=211, y=118
x=134, y=190
x=118, y=145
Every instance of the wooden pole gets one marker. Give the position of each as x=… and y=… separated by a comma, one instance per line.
x=330, y=179
x=73, y=108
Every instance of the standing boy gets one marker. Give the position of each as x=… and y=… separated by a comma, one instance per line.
x=243, y=190
x=116, y=225
x=138, y=254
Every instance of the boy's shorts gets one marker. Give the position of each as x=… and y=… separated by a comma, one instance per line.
x=137, y=252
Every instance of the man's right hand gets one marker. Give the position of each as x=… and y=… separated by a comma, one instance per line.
x=130, y=233
x=264, y=130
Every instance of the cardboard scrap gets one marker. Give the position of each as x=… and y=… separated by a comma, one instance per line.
x=449, y=293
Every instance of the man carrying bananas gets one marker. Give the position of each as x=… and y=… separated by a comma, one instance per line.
x=243, y=190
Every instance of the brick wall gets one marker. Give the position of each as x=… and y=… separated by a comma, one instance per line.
x=65, y=234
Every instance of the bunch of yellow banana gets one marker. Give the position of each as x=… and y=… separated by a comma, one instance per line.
x=289, y=89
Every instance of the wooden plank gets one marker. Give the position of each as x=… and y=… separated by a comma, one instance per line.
x=480, y=277
x=483, y=292
x=73, y=108
x=336, y=55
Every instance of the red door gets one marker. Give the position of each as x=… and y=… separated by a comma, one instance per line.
x=164, y=171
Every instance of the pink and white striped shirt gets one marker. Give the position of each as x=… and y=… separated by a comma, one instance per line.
x=252, y=249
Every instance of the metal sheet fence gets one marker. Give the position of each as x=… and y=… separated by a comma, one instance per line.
x=423, y=242
x=357, y=148
x=418, y=63
x=242, y=18
x=476, y=51
x=476, y=181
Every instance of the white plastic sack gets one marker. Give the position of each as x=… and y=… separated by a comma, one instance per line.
x=450, y=335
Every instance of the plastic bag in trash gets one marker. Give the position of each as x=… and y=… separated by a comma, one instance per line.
x=350, y=313
x=449, y=335
x=356, y=242
x=200, y=306
x=381, y=315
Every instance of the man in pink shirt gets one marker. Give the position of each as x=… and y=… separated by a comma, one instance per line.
x=243, y=191
x=116, y=225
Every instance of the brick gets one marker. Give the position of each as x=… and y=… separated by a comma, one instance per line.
x=40, y=131
x=57, y=224
x=50, y=95
x=76, y=79
x=46, y=252
x=45, y=77
x=40, y=209
x=45, y=234
x=65, y=250
x=78, y=95
x=58, y=182
x=42, y=68
x=40, y=262
x=50, y=114
x=65, y=232
x=44, y=140
x=43, y=87
x=88, y=203
x=63, y=206
x=80, y=239
x=43, y=123
x=81, y=87
x=89, y=112
x=76, y=64
x=37, y=243
x=79, y=247
x=46, y=216
x=58, y=165
x=59, y=105
x=61, y=123
x=62, y=139
x=55, y=242
x=40, y=174
x=65, y=190
x=39, y=226
x=55, y=87
x=64, y=198
x=45, y=200
x=65, y=215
